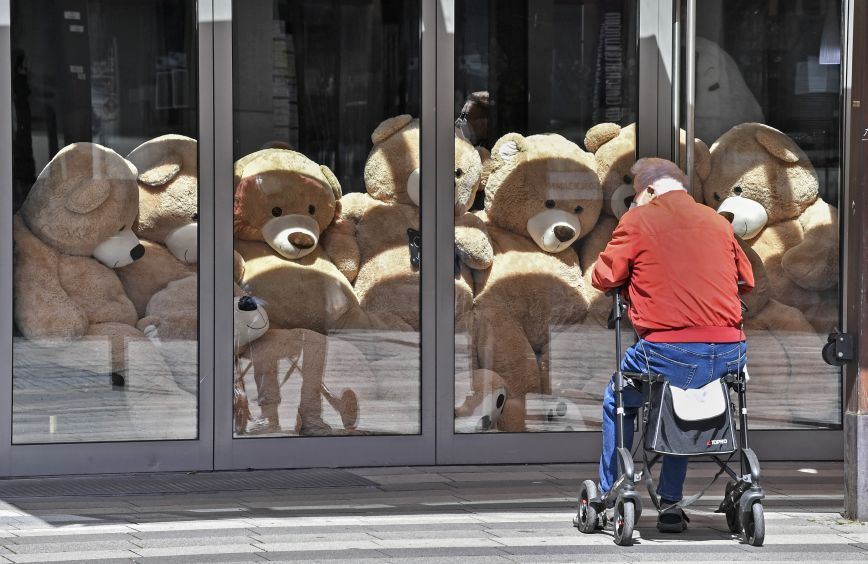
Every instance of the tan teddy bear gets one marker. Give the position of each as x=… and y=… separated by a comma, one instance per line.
x=74, y=228
x=766, y=185
x=167, y=221
x=283, y=203
x=542, y=195
x=385, y=222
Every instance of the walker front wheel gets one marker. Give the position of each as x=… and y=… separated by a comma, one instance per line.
x=732, y=520
x=586, y=515
x=755, y=525
x=624, y=521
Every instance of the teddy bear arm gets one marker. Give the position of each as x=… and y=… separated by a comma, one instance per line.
x=813, y=263
x=473, y=242
x=42, y=306
x=340, y=244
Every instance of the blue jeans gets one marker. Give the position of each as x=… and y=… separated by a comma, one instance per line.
x=685, y=365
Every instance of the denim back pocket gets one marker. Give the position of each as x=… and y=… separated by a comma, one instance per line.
x=678, y=371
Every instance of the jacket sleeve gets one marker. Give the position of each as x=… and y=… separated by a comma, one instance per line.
x=616, y=261
x=745, y=271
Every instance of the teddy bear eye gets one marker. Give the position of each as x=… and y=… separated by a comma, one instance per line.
x=714, y=87
x=311, y=209
x=459, y=173
x=627, y=179
x=195, y=217
x=717, y=196
x=579, y=209
x=276, y=212
x=122, y=228
x=737, y=190
x=550, y=204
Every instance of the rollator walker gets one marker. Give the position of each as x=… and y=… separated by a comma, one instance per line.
x=690, y=432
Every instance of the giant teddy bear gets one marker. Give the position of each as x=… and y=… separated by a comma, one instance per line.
x=542, y=195
x=74, y=229
x=386, y=223
x=766, y=185
x=167, y=220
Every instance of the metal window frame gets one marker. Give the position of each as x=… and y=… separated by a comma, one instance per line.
x=129, y=456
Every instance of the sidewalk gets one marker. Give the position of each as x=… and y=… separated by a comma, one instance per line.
x=420, y=514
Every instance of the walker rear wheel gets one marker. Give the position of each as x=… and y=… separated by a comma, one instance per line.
x=624, y=521
x=732, y=521
x=586, y=515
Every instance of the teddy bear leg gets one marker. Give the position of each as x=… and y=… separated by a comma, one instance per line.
x=265, y=375
x=134, y=360
x=502, y=346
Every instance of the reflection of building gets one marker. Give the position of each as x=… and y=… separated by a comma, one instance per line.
x=319, y=76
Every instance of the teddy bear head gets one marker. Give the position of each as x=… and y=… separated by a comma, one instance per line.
x=251, y=320
x=84, y=203
x=759, y=177
x=286, y=200
x=468, y=174
x=168, y=194
x=614, y=148
x=392, y=169
x=544, y=187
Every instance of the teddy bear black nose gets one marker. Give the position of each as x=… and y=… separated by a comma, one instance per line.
x=728, y=215
x=301, y=240
x=246, y=303
x=564, y=233
x=137, y=252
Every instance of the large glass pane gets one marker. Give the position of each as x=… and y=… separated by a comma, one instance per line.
x=768, y=91
x=326, y=105
x=105, y=226
x=546, y=91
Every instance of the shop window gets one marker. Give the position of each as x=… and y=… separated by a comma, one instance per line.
x=105, y=227
x=327, y=217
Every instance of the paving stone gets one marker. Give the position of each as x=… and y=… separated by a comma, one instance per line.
x=65, y=556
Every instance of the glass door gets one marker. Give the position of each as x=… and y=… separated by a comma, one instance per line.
x=321, y=266
x=761, y=87
x=105, y=365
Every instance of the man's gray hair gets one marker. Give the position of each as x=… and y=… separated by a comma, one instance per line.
x=662, y=174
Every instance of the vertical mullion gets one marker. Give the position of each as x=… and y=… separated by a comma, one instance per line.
x=6, y=237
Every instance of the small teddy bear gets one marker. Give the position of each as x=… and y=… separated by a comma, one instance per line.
x=543, y=194
x=768, y=188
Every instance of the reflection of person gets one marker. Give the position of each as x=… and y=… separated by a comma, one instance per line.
x=680, y=264
x=473, y=120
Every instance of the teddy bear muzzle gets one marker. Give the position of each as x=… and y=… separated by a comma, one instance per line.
x=183, y=242
x=747, y=216
x=251, y=321
x=622, y=199
x=120, y=249
x=554, y=230
x=413, y=186
x=292, y=236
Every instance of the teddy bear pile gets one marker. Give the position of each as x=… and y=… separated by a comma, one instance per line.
x=76, y=230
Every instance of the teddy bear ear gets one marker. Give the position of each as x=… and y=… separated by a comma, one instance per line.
x=601, y=134
x=390, y=127
x=776, y=143
x=508, y=148
x=332, y=180
x=163, y=173
x=88, y=194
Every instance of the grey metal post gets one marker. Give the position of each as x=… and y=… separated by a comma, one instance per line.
x=677, y=21
x=690, y=96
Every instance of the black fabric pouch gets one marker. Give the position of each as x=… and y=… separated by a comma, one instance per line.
x=689, y=422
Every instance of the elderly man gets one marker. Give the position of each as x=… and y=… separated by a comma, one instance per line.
x=680, y=264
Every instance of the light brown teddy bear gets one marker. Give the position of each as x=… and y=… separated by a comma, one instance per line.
x=283, y=203
x=542, y=195
x=74, y=228
x=766, y=185
x=167, y=222
x=385, y=222
x=614, y=149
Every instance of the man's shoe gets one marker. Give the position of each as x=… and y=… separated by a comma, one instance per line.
x=672, y=520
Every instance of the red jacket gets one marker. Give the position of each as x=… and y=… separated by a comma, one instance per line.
x=681, y=264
